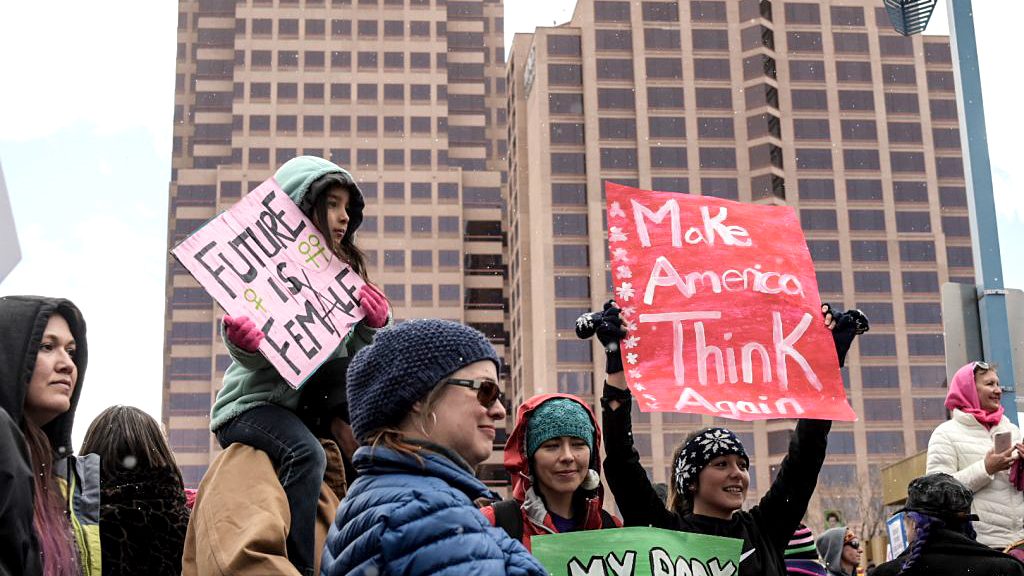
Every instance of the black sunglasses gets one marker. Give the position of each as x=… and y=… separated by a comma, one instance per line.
x=855, y=544
x=487, y=391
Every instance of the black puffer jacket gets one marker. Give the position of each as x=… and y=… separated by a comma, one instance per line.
x=765, y=529
x=143, y=519
x=948, y=553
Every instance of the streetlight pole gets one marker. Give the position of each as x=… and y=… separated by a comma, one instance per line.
x=988, y=269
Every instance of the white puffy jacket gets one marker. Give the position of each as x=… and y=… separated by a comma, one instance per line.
x=958, y=447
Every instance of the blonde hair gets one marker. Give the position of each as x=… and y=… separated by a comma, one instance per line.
x=395, y=439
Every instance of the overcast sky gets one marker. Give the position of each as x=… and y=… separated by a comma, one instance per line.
x=85, y=144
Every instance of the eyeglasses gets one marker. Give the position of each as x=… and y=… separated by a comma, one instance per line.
x=855, y=544
x=981, y=366
x=487, y=391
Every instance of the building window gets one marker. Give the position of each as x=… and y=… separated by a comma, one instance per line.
x=565, y=103
x=571, y=256
x=808, y=100
x=817, y=219
x=879, y=377
x=619, y=158
x=813, y=159
x=816, y=189
x=869, y=250
x=572, y=287
x=717, y=98
x=716, y=158
x=707, y=11
x=607, y=11
x=856, y=100
x=574, y=351
x=664, y=97
x=564, y=46
x=811, y=129
x=867, y=220
x=711, y=68
x=570, y=74
x=667, y=127
x=917, y=250
x=613, y=98
x=613, y=40
x=871, y=282
x=669, y=68
x=661, y=39
x=872, y=345
x=902, y=103
x=568, y=163
x=907, y=161
x=807, y=71
x=569, y=224
x=668, y=157
x=568, y=194
x=710, y=39
x=853, y=71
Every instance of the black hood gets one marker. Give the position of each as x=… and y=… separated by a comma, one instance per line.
x=23, y=320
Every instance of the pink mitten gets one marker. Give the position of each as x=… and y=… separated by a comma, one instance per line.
x=243, y=333
x=374, y=305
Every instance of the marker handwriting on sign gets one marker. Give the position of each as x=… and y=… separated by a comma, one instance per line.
x=783, y=349
x=661, y=564
x=664, y=274
x=713, y=227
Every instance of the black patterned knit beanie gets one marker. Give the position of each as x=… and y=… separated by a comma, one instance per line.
x=403, y=364
x=707, y=445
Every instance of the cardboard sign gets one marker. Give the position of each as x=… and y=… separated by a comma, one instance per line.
x=264, y=259
x=897, y=535
x=637, y=552
x=722, y=307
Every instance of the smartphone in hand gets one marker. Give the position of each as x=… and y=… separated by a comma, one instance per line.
x=1002, y=441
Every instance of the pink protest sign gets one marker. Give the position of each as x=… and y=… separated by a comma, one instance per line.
x=264, y=259
x=722, y=307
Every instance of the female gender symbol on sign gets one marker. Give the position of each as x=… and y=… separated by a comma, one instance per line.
x=252, y=296
x=307, y=248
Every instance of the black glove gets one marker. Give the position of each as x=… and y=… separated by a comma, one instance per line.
x=849, y=324
x=607, y=324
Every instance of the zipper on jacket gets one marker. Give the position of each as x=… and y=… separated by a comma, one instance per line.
x=84, y=555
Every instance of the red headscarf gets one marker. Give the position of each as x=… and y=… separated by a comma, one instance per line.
x=963, y=396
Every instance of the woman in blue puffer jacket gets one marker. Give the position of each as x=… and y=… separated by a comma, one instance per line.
x=423, y=400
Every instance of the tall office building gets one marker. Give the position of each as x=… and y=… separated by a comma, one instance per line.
x=820, y=105
x=408, y=94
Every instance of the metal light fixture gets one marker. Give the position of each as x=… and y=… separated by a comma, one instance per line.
x=910, y=17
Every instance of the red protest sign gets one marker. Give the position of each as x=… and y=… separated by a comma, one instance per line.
x=722, y=307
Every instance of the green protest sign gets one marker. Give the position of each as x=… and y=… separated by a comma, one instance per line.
x=637, y=552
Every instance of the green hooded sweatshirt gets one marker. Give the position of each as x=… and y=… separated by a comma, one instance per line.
x=251, y=380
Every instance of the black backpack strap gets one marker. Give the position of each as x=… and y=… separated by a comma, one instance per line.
x=508, y=517
x=607, y=520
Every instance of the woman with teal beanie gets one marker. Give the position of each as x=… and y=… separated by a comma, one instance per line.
x=256, y=406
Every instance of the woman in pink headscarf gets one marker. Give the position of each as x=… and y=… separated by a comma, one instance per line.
x=964, y=447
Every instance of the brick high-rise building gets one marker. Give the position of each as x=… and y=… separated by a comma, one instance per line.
x=820, y=105
x=407, y=94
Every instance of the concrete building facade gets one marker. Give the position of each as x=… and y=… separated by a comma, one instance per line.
x=820, y=105
x=407, y=94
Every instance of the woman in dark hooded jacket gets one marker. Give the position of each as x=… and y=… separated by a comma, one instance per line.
x=709, y=477
x=43, y=356
x=554, y=457
x=143, y=517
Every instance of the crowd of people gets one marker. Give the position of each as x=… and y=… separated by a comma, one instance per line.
x=369, y=468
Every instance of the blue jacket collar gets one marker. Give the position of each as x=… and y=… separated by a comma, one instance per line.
x=381, y=460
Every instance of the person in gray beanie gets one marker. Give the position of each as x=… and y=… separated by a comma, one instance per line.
x=424, y=399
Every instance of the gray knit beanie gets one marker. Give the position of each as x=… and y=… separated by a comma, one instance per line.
x=403, y=364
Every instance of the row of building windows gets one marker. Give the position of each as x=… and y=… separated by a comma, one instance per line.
x=814, y=219
x=719, y=69
x=364, y=158
x=870, y=190
x=877, y=251
x=675, y=157
x=722, y=99
x=340, y=28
